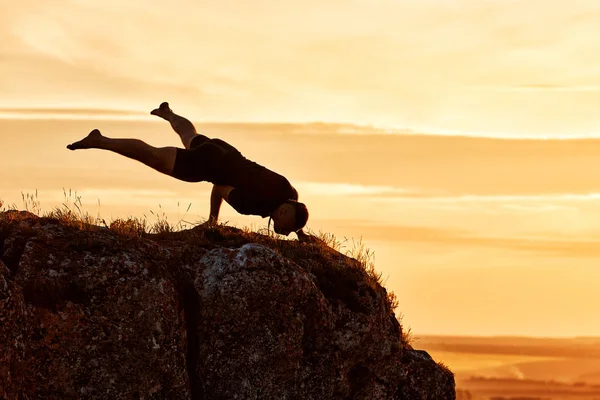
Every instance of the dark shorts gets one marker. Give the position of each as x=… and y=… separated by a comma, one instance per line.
x=201, y=162
x=257, y=190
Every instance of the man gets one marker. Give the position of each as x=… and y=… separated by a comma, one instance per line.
x=248, y=187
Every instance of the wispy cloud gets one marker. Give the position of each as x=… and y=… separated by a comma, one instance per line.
x=70, y=113
x=570, y=247
x=512, y=200
x=348, y=189
x=547, y=87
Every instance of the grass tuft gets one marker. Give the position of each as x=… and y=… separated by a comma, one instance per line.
x=162, y=226
x=407, y=337
x=70, y=212
x=131, y=227
x=445, y=368
x=31, y=203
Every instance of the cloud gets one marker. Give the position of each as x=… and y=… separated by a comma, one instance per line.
x=533, y=87
x=457, y=65
x=348, y=189
x=49, y=83
x=572, y=247
x=513, y=200
x=70, y=113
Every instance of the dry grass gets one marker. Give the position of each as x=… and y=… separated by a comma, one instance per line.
x=407, y=337
x=445, y=368
x=71, y=213
x=132, y=227
x=337, y=263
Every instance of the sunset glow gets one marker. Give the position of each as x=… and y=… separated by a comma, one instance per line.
x=459, y=139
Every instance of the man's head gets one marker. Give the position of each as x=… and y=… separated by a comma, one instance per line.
x=289, y=217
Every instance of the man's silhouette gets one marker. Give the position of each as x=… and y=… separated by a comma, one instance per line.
x=247, y=186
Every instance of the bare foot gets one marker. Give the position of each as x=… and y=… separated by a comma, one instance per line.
x=88, y=142
x=163, y=111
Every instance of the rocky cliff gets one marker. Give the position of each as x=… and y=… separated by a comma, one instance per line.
x=208, y=313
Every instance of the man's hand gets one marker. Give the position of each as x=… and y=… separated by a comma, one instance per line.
x=306, y=238
x=211, y=222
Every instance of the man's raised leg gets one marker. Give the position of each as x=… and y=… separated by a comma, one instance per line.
x=161, y=159
x=183, y=126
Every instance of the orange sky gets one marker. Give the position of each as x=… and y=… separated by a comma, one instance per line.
x=475, y=235
x=506, y=67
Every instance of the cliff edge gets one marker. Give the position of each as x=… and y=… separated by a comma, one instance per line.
x=208, y=313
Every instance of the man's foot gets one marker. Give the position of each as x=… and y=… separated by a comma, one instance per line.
x=88, y=142
x=163, y=111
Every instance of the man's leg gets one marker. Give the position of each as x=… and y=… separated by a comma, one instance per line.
x=183, y=126
x=160, y=159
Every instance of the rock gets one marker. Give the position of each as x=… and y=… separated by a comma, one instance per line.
x=424, y=379
x=208, y=313
x=15, y=331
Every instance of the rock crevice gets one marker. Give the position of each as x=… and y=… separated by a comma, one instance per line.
x=191, y=309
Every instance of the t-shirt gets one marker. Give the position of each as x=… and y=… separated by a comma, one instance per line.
x=257, y=189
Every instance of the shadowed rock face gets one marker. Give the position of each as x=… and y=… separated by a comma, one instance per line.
x=209, y=313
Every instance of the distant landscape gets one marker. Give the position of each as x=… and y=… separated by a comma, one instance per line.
x=515, y=368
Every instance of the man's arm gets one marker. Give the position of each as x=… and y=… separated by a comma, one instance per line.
x=218, y=194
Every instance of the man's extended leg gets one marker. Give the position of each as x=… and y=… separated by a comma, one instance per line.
x=183, y=126
x=160, y=159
